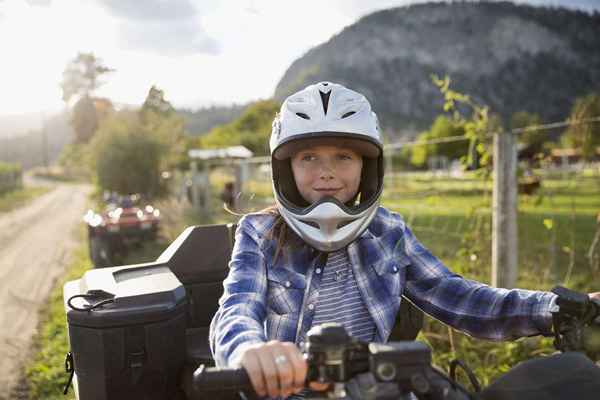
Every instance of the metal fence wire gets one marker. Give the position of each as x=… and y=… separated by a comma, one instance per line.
x=450, y=209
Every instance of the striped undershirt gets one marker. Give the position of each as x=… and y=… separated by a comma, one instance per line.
x=340, y=301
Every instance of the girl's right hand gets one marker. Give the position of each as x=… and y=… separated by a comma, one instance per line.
x=276, y=369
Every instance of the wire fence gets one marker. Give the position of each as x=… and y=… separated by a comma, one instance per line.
x=450, y=210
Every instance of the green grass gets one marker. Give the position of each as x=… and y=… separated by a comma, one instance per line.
x=19, y=197
x=45, y=373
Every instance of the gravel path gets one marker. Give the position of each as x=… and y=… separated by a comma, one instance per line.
x=36, y=242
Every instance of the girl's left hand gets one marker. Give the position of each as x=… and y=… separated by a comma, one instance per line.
x=595, y=295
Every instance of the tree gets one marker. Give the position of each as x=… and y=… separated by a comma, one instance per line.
x=126, y=158
x=532, y=141
x=477, y=125
x=84, y=119
x=155, y=102
x=81, y=76
x=252, y=129
x=131, y=149
x=584, y=136
x=442, y=127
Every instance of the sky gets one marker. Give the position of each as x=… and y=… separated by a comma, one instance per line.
x=200, y=52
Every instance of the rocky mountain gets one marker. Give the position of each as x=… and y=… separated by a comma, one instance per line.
x=510, y=57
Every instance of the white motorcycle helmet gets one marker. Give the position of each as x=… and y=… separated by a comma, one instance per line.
x=327, y=113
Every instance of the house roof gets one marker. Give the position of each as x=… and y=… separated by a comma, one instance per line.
x=225, y=152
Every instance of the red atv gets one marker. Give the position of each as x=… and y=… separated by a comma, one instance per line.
x=125, y=221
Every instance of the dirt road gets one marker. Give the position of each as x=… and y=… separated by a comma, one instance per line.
x=36, y=242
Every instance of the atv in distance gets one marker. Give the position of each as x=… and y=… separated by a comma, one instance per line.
x=125, y=221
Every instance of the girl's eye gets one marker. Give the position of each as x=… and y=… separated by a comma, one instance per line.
x=344, y=156
x=308, y=157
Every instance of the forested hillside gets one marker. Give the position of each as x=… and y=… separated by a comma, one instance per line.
x=510, y=57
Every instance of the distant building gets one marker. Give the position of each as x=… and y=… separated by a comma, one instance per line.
x=569, y=156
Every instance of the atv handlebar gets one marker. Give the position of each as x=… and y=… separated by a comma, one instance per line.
x=333, y=356
x=223, y=380
x=352, y=366
x=576, y=323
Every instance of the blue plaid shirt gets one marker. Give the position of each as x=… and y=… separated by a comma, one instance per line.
x=269, y=299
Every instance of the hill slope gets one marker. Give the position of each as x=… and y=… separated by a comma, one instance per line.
x=510, y=57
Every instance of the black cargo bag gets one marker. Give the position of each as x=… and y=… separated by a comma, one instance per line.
x=126, y=332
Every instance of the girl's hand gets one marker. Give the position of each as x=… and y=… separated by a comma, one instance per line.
x=275, y=368
x=595, y=295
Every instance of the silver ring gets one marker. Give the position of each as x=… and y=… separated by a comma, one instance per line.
x=280, y=359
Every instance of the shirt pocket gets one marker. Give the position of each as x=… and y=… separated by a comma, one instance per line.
x=281, y=327
x=285, y=290
x=391, y=273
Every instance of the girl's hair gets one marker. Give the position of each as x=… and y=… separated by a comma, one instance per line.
x=286, y=238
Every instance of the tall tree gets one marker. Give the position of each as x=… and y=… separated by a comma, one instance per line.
x=84, y=119
x=81, y=78
x=155, y=102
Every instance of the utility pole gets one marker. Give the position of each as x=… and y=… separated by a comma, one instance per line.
x=44, y=143
x=504, y=219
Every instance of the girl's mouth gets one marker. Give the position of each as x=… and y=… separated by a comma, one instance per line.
x=328, y=190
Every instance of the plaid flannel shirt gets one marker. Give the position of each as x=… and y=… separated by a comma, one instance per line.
x=266, y=298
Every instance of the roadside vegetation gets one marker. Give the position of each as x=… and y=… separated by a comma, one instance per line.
x=19, y=197
x=45, y=373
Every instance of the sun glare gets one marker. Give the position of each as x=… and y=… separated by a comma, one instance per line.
x=37, y=42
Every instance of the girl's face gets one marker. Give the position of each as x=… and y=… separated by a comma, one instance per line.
x=322, y=171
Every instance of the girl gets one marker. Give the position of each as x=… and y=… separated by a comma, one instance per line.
x=328, y=252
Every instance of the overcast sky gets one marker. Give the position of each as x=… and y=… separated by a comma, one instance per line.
x=199, y=52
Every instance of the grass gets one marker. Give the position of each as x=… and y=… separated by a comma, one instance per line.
x=45, y=373
x=19, y=197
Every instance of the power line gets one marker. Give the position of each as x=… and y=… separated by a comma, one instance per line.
x=555, y=125
x=449, y=139
x=516, y=131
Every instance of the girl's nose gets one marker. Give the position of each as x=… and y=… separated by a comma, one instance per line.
x=326, y=170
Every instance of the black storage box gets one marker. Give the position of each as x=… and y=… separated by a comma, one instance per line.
x=133, y=346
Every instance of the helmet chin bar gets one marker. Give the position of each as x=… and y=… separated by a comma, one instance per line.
x=327, y=226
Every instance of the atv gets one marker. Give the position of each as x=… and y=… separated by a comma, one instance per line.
x=142, y=332
x=126, y=221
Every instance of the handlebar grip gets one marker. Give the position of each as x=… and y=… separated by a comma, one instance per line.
x=212, y=380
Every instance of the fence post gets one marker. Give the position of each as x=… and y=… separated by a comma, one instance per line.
x=504, y=210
